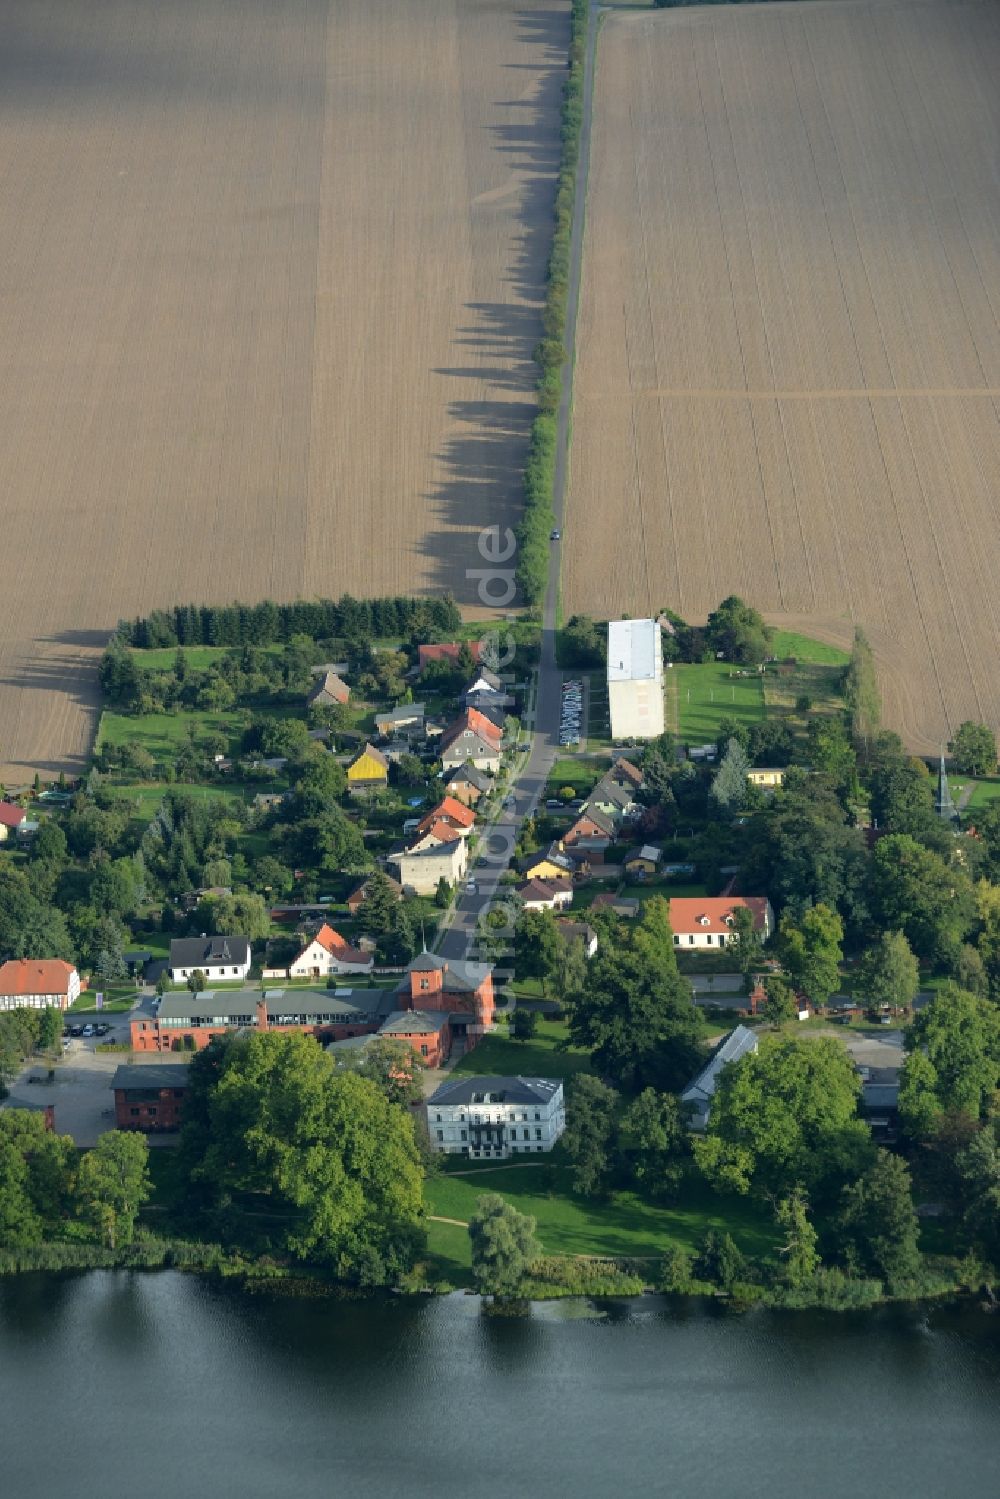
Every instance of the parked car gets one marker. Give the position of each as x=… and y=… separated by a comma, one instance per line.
x=470, y=887
x=88, y=1030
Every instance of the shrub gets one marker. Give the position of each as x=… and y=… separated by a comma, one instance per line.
x=676, y=1275
x=561, y=1275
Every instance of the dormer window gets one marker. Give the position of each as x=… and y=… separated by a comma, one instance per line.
x=704, y=921
x=728, y=919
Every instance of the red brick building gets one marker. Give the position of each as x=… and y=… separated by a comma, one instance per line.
x=462, y=992
x=429, y=1033
x=462, y=989
x=149, y=1098
x=188, y=1022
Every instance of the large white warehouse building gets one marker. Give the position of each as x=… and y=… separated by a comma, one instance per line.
x=635, y=678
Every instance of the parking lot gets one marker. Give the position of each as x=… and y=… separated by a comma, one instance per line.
x=80, y=1090
x=571, y=712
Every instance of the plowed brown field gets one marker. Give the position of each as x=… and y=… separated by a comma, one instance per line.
x=789, y=364
x=270, y=277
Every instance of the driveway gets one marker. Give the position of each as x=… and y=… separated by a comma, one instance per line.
x=81, y=1090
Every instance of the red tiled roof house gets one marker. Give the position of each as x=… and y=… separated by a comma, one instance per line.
x=11, y=818
x=328, y=953
x=697, y=921
x=38, y=984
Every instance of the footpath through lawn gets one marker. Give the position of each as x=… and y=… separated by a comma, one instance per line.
x=568, y=1224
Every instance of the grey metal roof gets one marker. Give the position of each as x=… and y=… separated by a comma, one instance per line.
x=209, y=1004
x=538, y=1090
x=880, y=1096
x=227, y=1006
x=434, y=851
x=736, y=1045
x=414, y=1022
x=474, y=776
x=460, y=974
x=198, y=952
x=403, y=713
x=154, y=1075
x=360, y=1005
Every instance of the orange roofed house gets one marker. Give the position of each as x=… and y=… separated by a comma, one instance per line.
x=38, y=984
x=458, y=817
x=448, y=651
x=328, y=953
x=700, y=921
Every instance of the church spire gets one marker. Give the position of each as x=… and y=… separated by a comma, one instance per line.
x=943, y=804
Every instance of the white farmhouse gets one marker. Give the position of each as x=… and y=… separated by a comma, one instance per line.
x=496, y=1117
x=635, y=679
x=220, y=959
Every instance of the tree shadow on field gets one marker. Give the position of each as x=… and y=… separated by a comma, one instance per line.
x=483, y=456
x=68, y=674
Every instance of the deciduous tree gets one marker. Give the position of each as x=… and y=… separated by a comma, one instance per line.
x=916, y=892
x=786, y=1116
x=653, y=1142
x=591, y=1134
x=113, y=1183
x=800, y=1256
x=332, y=1159
x=975, y=749
x=739, y=632
x=811, y=952
x=888, y=974
x=503, y=1246
x=953, y=1061
x=876, y=1229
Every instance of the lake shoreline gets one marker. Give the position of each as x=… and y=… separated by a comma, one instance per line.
x=215, y=1264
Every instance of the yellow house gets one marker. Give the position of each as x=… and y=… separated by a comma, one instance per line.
x=544, y=868
x=369, y=771
x=766, y=777
x=554, y=865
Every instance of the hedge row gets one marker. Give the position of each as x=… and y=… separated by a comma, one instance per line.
x=550, y=352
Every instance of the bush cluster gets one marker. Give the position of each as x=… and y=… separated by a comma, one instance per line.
x=561, y=1275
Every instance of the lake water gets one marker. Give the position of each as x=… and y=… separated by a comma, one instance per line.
x=118, y=1384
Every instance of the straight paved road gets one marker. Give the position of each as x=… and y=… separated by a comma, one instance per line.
x=455, y=937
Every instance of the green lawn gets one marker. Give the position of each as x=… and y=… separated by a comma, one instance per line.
x=703, y=695
x=580, y=773
x=568, y=1224
x=161, y=733
x=820, y=682
x=117, y=999
x=199, y=657
x=144, y=800
x=984, y=791
x=803, y=648
x=536, y=1058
